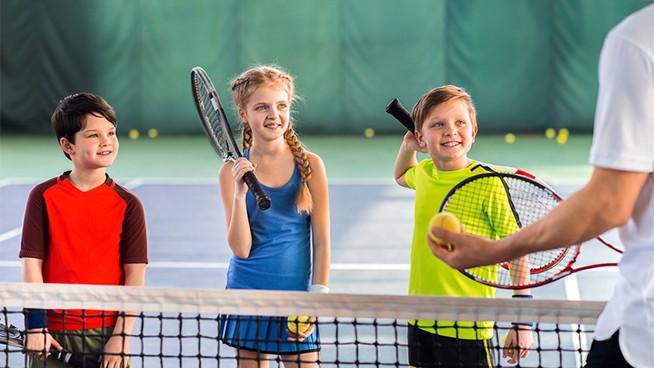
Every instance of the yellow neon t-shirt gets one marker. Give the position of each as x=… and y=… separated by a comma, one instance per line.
x=428, y=274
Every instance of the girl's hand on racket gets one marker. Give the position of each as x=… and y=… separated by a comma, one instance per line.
x=241, y=166
x=299, y=335
x=517, y=343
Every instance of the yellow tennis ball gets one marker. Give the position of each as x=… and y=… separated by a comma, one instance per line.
x=153, y=133
x=550, y=133
x=133, y=134
x=369, y=132
x=298, y=324
x=447, y=221
x=509, y=138
x=562, y=138
x=564, y=131
x=510, y=349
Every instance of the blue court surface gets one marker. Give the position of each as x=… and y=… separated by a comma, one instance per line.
x=371, y=226
x=371, y=238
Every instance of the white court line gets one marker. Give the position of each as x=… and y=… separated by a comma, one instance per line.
x=195, y=181
x=224, y=265
x=10, y=234
x=571, y=286
x=334, y=266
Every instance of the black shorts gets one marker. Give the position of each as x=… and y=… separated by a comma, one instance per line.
x=606, y=353
x=432, y=350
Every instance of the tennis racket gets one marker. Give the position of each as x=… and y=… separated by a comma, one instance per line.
x=398, y=111
x=220, y=135
x=12, y=336
x=506, y=202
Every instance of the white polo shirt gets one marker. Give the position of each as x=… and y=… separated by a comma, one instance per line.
x=623, y=139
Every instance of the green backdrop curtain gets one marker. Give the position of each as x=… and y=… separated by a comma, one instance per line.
x=529, y=65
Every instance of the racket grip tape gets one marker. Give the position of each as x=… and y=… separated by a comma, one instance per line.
x=262, y=199
x=74, y=360
x=400, y=113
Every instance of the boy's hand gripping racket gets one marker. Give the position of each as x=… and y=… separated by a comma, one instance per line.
x=528, y=200
x=220, y=135
x=12, y=336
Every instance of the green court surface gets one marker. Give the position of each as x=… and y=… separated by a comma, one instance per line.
x=346, y=157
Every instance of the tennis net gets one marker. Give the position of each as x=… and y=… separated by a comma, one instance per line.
x=180, y=327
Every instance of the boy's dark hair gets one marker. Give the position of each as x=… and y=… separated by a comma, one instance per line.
x=438, y=96
x=70, y=115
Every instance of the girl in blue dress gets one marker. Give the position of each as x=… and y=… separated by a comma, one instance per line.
x=286, y=247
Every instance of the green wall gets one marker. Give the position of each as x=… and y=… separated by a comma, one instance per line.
x=528, y=65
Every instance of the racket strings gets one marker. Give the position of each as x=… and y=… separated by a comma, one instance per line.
x=211, y=121
x=497, y=205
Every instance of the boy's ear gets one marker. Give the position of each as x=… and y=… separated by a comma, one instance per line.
x=419, y=137
x=66, y=146
x=474, y=132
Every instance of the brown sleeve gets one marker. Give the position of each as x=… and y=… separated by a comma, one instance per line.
x=134, y=240
x=36, y=226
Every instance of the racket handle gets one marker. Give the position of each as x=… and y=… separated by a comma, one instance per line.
x=75, y=360
x=263, y=201
x=398, y=111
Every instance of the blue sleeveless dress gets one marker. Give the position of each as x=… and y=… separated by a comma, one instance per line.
x=280, y=259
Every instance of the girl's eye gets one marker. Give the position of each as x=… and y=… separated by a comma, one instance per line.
x=260, y=108
x=282, y=106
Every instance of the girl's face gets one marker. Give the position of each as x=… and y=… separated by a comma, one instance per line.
x=448, y=133
x=268, y=112
x=96, y=145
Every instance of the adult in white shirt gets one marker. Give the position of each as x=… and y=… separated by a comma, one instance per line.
x=620, y=194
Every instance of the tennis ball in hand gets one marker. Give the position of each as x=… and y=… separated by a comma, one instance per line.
x=447, y=221
x=298, y=324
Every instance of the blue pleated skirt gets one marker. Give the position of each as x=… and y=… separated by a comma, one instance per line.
x=265, y=335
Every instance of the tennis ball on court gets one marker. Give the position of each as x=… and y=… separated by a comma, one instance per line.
x=562, y=137
x=153, y=133
x=133, y=134
x=509, y=138
x=298, y=324
x=447, y=221
x=369, y=132
x=550, y=133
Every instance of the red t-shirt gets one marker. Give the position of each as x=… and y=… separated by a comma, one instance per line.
x=83, y=238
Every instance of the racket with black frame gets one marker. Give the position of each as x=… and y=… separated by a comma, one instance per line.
x=479, y=202
x=12, y=336
x=220, y=135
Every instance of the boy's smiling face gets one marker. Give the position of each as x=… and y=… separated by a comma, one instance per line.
x=96, y=145
x=448, y=133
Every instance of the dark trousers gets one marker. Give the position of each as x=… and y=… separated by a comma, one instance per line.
x=432, y=350
x=607, y=354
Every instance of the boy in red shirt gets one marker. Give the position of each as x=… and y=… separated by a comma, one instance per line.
x=83, y=228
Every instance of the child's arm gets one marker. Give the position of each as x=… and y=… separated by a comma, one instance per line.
x=119, y=343
x=320, y=221
x=36, y=343
x=406, y=157
x=233, y=190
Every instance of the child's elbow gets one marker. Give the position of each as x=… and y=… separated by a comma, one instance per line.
x=241, y=254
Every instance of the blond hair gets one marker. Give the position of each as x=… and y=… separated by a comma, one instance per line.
x=243, y=87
